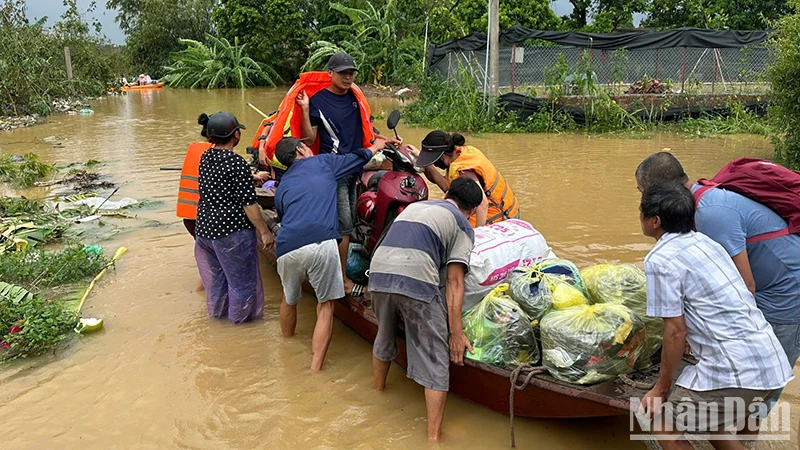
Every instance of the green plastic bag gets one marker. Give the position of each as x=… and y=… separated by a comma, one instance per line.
x=500, y=332
x=588, y=344
x=625, y=284
x=533, y=287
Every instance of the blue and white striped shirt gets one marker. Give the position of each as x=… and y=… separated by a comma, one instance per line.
x=692, y=276
x=413, y=257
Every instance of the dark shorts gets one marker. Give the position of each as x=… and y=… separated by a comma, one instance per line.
x=190, y=225
x=703, y=412
x=426, y=330
x=346, y=204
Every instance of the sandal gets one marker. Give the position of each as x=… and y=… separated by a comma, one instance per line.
x=357, y=291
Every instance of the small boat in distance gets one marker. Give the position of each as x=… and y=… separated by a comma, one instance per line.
x=142, y=87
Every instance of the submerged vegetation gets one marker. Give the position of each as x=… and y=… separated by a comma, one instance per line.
x=43, y=263
x=23, y=173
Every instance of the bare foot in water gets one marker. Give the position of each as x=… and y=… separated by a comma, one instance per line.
x=199, y=287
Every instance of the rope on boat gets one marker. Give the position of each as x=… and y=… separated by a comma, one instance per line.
x=527, y=371
x=637, y=384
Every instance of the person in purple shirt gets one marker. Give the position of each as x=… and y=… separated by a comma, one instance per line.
x=306, y=244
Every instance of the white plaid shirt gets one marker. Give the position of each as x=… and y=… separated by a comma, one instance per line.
x=692, y=276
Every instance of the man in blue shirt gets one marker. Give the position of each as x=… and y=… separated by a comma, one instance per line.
x=770, y=268
x=306, y=243
x=334, y=115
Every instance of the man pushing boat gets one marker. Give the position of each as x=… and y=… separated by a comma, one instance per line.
x=306, y=243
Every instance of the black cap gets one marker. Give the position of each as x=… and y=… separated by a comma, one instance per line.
x=429, y=154
x=341, y=62
x=222, y=125
x=286, y=150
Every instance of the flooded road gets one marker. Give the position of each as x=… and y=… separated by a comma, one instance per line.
x=163, y=375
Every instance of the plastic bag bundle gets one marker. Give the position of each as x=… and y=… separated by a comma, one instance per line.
x=500, y=248
x=564, y=293
x=357, y=265
x=533, y=287
x=625, y=284
x=591, y=343
x=500, y=332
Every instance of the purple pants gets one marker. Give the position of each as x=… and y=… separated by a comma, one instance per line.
x=229, y=269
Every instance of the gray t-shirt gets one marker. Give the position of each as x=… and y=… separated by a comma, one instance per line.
x=413, y=257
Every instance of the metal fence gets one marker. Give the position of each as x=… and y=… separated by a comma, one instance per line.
x=683, y=69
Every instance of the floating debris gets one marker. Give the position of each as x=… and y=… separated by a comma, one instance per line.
x=11, y=123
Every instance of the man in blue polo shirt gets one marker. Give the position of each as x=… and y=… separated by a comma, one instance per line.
x=770, y=268
x=334, y=115
x=306, y=242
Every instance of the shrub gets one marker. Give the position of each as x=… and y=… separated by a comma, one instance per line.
x=784, y=76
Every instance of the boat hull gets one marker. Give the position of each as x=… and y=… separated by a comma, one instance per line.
x=544, y=397
x=142, y=88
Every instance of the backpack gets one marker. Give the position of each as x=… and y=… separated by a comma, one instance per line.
x=765, y=182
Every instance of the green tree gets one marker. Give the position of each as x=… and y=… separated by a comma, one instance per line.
x=154, y=27
x=373, y=42
x=453, y=19
x=716, y=14
x=217, y=65
x=276, y=32
x=32, y=60
x=783, y=75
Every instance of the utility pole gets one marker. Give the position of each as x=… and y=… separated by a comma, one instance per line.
x=68, y=59
x=494, y=51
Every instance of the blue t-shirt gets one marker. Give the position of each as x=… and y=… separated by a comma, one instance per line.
x=338, y=121
x=306, y=199
x=730, y=219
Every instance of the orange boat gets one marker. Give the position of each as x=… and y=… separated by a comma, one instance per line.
x=141, y=88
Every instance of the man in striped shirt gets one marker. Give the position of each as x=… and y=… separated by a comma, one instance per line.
x=425, y=251
x=695, y=287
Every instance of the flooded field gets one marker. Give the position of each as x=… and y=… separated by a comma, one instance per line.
x=163, y=375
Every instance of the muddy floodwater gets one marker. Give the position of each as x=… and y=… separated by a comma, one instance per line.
x=162, y=375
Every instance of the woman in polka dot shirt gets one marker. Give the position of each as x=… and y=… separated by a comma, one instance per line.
x=229, y=226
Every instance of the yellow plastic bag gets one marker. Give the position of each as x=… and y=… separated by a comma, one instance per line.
x=565, y=295
x=625, y=284
x=500, y=332
x=588, y=344
x=535, y=295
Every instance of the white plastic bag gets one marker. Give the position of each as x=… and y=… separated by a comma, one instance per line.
x=499, y=249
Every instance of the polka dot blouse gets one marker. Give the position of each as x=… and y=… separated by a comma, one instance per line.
x=226, y=186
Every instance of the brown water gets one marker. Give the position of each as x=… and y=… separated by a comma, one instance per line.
x=164, y=375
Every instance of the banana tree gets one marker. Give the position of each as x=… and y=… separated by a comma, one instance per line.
x=217, y=65
x=373, y=42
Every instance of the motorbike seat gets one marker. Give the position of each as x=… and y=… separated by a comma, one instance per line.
x=372, y=183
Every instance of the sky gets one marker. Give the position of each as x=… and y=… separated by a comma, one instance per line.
x=54, y=8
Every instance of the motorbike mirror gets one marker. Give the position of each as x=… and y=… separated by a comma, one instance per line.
x=394, y=118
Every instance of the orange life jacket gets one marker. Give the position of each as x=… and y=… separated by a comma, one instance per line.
x=189, y=190
x=288, y=120
x=502, y=201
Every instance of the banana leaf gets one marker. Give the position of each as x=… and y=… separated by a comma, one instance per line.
x=14, y=293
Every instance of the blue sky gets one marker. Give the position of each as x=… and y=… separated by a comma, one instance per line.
x=54, y=8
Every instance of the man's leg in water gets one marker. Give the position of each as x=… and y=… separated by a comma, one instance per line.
x=323, y=331
x=434, y=402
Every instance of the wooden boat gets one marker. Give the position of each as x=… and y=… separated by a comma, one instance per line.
x=142, y=88
x=543, y=397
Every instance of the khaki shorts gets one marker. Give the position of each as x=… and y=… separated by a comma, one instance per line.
x=320, y=263
x=427, y=347
x=703, y=412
